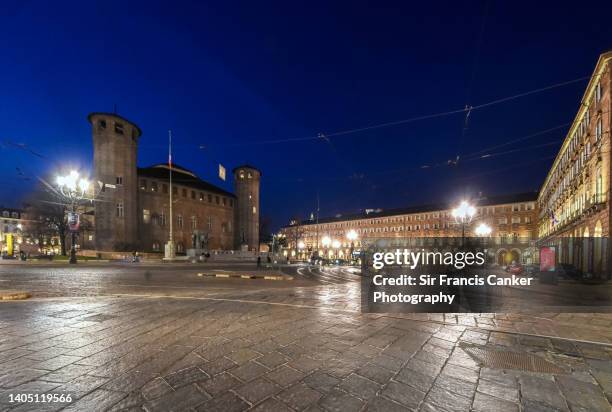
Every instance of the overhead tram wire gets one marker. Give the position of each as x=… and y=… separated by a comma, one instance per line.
x=392, y=123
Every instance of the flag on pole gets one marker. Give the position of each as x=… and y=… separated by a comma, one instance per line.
x=221, y=172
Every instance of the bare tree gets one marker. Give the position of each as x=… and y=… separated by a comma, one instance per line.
x=46, y=216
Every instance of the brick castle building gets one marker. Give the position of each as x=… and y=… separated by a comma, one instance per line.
x=132, y=207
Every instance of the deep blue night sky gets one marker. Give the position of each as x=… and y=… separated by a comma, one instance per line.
x=227, y=75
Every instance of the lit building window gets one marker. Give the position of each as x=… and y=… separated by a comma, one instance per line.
x=598, y=130
x=179, y=221
x=119, y=180
x=146, y=216
x=254, y=210
x=598, y=92
x=194, y=223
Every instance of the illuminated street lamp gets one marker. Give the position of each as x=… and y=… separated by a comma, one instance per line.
x=336, y=245
x=326, y=241
x=483, y=230
x=73, y=188
x=352, y=236
x=463, y=215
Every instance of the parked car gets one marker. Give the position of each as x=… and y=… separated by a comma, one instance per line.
x=515, y=269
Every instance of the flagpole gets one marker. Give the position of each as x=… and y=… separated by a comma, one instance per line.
x=170, y=245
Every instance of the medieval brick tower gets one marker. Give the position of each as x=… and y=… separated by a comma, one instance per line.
x=115, y=142
x=246, y=188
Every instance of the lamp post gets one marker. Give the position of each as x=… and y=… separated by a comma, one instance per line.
x=336, y=245
x=326, y=241
x=463, y=215
x=73, y=188
x=352, y=236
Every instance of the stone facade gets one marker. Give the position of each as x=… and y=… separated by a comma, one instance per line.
x=574, y=200
x=132, y=205
x=512, y=220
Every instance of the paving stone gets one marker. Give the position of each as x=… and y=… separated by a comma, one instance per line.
x=186, y=377
x=542, y=390
x=272, y=404
x=376, y=373
x=321, y=381
x=338, y=401
x=461, y=373
x=217, y=366
x=448, y=400
x=57, y=362
x=249, y=371
x=219, y=383
x=533, y=406
x=486, y=403
x=18, y=377
x=404, y=394
x=182, y=399
x=243, y=355
x=305, y=364
x=498, y=390
x=98, y=400
x=299, y=396
x=583, y=396
x=272, y=360
x=67, y=373
x=156, y=388
x=284, y=376
x=387, y=362
x=380, y=404
x=226, y=402
x=463, y=388
x=359, y=386
x=257, y=390
x=415, y=379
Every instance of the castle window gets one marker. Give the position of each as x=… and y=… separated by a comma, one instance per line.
x=194, y=223
x=209, y=198
x=179, y=221
x=231, y=202
x=174, y=190
x=102, y=124
x=209, y=224
x=143, y=184
x=193, y=196
x=242, y=174
x=118, y=128
x=119, y=209
x=146, y=216
x=217, y=199
x=254, y=210
x=164, y=188
x=162, y=219
x=249, y=175
x=224, y=201
x=184, y=192
x=155, y=246
x=119, y=180
x=201, y=196
x=153, y=186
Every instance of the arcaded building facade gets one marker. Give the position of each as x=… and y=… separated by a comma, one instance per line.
x=512, y=220
x=132, y=207
x=574, y=200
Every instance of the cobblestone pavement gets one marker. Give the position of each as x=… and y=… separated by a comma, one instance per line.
x=159, y=345
x=161, y=354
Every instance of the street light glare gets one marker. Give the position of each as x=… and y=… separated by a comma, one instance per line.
x=301, y=245
x=351, y=235
x=336, y=244
x=326, y=241
x=483, y=230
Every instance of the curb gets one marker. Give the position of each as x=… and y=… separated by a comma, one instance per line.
x=246, y=276
x=15, y=295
